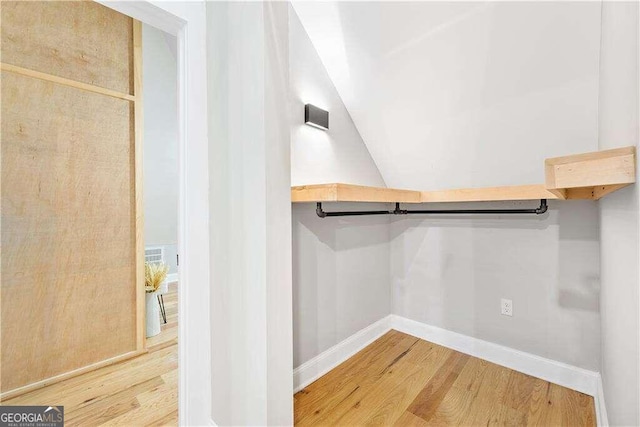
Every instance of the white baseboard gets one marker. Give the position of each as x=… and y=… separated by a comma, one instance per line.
x=172, y=278
x=313, y=369
x=601, y=410
x=572, y=377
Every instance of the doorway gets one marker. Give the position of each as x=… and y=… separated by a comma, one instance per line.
x=161, y=188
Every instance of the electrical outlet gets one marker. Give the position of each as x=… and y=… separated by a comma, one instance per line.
x=506, y=307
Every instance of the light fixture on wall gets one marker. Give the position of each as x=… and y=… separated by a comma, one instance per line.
x=316, y=117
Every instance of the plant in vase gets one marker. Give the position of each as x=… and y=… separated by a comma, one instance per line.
x=154, y=275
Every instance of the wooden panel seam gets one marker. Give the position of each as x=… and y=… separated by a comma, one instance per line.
x=138, y=185
x=63, y=81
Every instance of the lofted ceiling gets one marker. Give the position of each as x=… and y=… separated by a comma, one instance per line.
x=452, y=94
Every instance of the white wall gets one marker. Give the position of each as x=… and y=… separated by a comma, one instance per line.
x=340, y=266
x=160, y=83
x=451, y=272
x=251, y=348
x=619, y=230
x=340, y=276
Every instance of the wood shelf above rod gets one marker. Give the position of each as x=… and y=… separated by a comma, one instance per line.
x=591, y=175
x=337, y=192
x=587, y=176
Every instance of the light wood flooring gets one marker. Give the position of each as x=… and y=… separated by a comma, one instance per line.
x=405, y=381
x=138, y=392
x=398, y=380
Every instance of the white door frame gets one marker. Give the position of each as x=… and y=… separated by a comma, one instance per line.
x=187, y=21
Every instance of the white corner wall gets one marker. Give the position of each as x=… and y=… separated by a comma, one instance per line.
x=340, y=266
x=340, y=277
x=251, y=348
x=619, y=216
x=451, y=272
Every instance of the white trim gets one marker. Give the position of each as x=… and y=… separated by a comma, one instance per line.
x=172, y=278
x=149, y=12
x=313, y=369
x=601, y=410
x=569, y=376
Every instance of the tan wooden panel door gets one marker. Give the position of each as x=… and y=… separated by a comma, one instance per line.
x=70, y=194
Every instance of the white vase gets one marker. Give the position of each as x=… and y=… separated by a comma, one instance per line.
x=153, y=314
x=164, y=288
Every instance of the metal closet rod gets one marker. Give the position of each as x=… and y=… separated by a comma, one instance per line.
x=397, y=211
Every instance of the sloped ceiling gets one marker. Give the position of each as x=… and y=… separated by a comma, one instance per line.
x=451, y=94
x=319, y=157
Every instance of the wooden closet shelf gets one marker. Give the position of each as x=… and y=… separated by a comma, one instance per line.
x=352, y=193
x=591, y=175
x=587, y=176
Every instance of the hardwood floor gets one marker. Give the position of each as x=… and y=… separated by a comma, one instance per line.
x=139, y=392
x=405, y=381
x=398, y=380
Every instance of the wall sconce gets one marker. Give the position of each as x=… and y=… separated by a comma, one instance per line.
x=316, y=117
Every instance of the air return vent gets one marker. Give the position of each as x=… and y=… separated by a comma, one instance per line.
x=154, y=255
